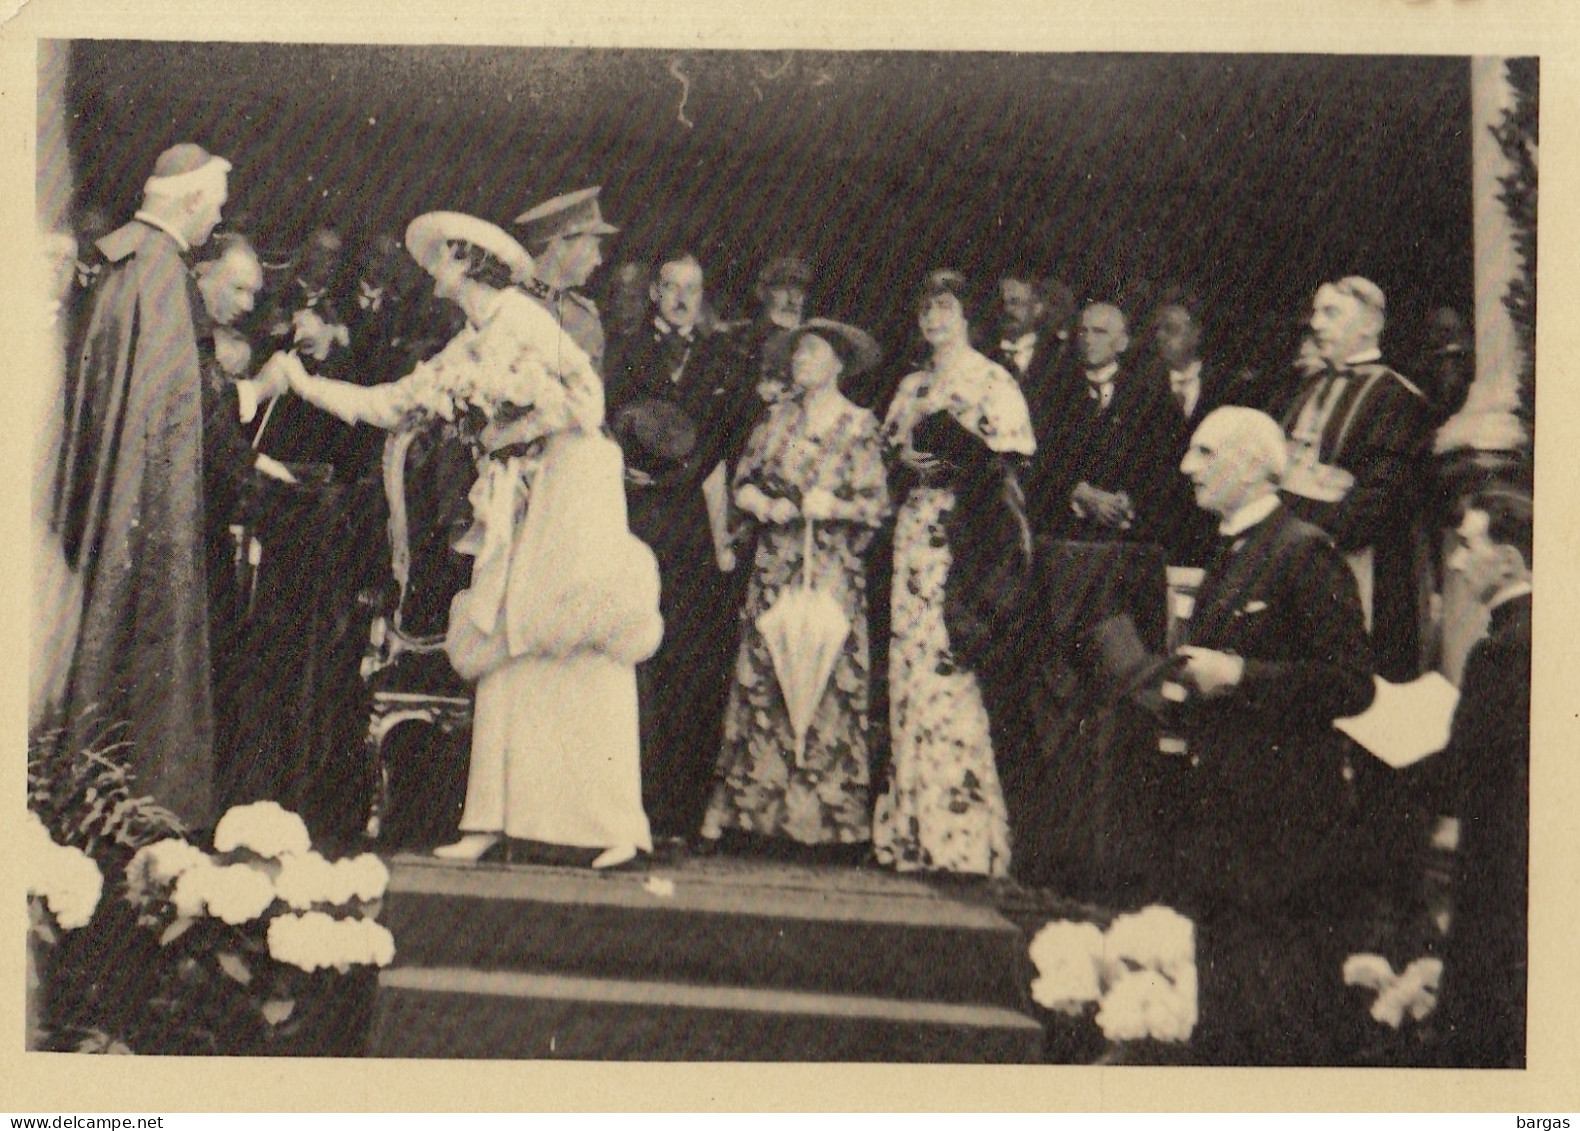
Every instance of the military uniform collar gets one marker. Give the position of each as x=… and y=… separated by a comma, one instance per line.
x=538, y=289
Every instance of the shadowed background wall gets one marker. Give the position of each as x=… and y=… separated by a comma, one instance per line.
x=1247, y=179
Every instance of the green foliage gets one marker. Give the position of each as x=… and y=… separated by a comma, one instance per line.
x=1518, y=136
x=85, y=798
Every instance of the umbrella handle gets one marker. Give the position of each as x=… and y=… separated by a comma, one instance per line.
x=806, y=558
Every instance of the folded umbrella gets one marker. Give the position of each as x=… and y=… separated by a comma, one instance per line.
x=804, y=631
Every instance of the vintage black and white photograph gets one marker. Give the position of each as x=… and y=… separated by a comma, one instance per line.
x=783, y=555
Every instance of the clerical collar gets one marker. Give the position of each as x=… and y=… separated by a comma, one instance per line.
x=1249, y=515
x=1191, y=372
x=1104, y=375
x=665, y=329
x=1508, y=593
x=155, y=222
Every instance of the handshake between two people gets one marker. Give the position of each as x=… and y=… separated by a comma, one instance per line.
x=282, y=373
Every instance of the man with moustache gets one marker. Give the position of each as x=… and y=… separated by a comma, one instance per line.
x=679, y=409
x=1108, y=474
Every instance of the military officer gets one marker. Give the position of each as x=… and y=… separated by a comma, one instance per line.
x=565, y=238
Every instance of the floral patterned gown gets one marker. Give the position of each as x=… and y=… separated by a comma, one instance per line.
x=761, y=789
x=943, y=808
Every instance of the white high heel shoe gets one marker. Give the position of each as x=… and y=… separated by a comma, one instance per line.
x=469, y=849
x=615, y=856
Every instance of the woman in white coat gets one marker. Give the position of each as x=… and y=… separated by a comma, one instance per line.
x=564, y=599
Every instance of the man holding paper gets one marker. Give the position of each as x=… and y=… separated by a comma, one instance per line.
x=1276, y=650
x=1482, y=777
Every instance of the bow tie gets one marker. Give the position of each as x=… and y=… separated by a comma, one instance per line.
x=1024, y=344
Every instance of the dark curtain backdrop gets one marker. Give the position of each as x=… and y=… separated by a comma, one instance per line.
x=1247, y=179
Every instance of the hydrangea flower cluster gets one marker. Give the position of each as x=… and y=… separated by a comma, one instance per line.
x=318, y=941
x=266, y=862
x=1141, y=972
x=65, y=878
x=264, y=828
x=1413, y=990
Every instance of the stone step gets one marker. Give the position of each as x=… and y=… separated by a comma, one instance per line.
x=451, y=1013
x=722, y=923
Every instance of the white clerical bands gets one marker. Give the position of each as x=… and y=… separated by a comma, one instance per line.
x=210, y=174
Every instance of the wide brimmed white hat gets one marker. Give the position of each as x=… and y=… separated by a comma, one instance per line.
x=428, y=235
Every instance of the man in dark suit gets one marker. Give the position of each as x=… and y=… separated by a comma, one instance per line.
x=1196, y=387
x=679, y=407
x=1034, y=316
x=1276, y=650
x=1108, y=471
x=1483, y=778
x=1358, y=435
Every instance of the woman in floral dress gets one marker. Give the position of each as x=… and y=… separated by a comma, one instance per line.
x=816, y=457
x=943, y=808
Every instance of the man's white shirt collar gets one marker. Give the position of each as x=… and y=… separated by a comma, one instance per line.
x=1190, y=374
x=1104, y=375
x=155, y=222
x=1248, y=515
x=1373, y=354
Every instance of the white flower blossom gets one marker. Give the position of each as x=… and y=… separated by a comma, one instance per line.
x=315, y=941
x=1068, y=958
x=190, y=895
x=263, y=827
x=370, y=877
x=1155, y=937
x=159, y=864
x=1144, y=1003
x=238, y=894
x=1412, y=991
x=66, y=878
x=303, y=880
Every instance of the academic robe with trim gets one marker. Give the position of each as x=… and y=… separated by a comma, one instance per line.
x=130, y=513
x=1379, y=433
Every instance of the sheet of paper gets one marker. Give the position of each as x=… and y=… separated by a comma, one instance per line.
x=1406, y=721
